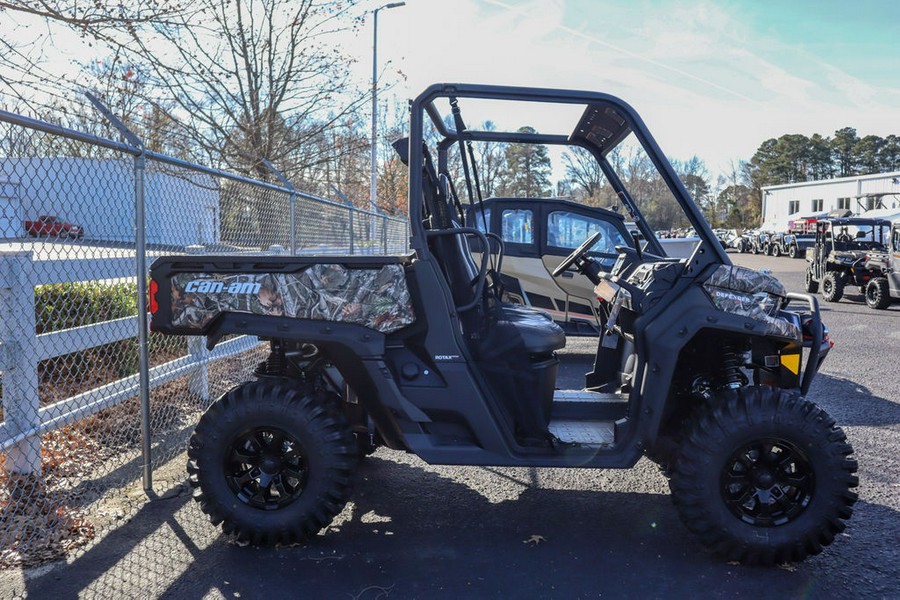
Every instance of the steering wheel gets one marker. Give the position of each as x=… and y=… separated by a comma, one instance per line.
x=576, y=254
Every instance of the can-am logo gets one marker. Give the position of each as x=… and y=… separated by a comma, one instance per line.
x=202, y=286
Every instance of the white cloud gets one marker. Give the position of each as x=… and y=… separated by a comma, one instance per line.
x=704, y=80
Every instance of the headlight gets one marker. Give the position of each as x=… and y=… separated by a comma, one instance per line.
x=769, y=303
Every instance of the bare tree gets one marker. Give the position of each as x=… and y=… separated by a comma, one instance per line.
x=251, y=80
x=245, y=80
x=584, y=171
x=22, y=72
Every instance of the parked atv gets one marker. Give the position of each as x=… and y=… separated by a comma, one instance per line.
x=701, y=365
x=760, y=243
x=839, y=256
x=539, y=232
x=743, y=242
x=792, y=244
x=883, y=287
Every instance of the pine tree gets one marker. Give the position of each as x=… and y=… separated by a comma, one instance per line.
x=528, y=169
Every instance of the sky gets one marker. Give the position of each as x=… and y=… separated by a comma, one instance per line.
x=710, y=78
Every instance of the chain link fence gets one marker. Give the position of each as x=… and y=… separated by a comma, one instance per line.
x=78, y=364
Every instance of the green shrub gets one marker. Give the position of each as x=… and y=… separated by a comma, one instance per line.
x=66, y=305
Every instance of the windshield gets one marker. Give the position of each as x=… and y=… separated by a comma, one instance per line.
x=854, y=235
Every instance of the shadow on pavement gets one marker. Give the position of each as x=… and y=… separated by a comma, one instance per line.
x=853, y=404
x=411, y=532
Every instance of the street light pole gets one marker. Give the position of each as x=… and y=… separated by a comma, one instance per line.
x=373, y=191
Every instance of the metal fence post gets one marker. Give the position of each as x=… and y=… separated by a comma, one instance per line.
x=293, y=196
x=351, y=231
x=140, y=251
x=21, y=402
x=384, y=234
x=140, y=162
x=293, y=223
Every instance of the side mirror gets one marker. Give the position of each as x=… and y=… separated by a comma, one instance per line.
x=860, y=234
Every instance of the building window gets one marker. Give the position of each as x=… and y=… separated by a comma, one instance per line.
x=843, y=203
x=817, y=205
x=793, y=206
x=873, y=202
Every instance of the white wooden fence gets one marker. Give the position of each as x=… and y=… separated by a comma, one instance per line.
x=21, y=349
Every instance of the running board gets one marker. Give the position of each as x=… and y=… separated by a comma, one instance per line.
x=585, y=405
x=585, y=433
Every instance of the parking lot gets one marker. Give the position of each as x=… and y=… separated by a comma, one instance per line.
x=420, y=531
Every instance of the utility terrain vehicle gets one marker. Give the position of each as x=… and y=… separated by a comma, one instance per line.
x=760, y=243
x=792, y=243
x=884, y=268
x=839, y=256
x=701, y=366
x=537, y=233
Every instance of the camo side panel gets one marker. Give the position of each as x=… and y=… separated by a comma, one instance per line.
x=376, y=298
x=742, y=279
x=746, y=305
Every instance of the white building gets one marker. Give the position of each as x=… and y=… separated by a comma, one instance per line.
x=181, y=207
x=782, y=204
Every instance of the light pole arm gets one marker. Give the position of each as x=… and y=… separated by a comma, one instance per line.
x=373, y=191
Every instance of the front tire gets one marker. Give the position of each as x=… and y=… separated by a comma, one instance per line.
x=764, y=477
x=832, y=286
x=812, y=286
x=878, y=293
x=271, y=463
x=776, y=250
x=792, y=252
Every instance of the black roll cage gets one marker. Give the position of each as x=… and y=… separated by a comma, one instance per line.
x=606, y=122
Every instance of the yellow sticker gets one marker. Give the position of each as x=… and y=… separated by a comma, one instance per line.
x=791, y=362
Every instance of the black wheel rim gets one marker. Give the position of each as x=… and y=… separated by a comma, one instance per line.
x=871, y=294
x=266, y=468
x=767, y=483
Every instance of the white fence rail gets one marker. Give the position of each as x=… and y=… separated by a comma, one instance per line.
x=21, y=349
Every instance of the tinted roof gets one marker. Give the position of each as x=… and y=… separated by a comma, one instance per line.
x=857, y=221
x=558, y=202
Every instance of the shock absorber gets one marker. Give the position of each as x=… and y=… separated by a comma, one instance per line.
x=730, y=375
x=275, y=363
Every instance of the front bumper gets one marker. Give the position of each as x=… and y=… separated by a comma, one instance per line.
x=815, y=337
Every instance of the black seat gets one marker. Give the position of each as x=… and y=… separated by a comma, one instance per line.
x=513, y=344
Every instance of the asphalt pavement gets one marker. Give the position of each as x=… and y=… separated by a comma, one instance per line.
x=418, y=531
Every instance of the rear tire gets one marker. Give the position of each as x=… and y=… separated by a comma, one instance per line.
x=764, y=477
x=878, y=293
x=812, y=286
x=832, y=286
x=271, y=463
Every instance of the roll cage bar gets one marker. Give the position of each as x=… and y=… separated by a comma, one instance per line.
x=605, y=123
